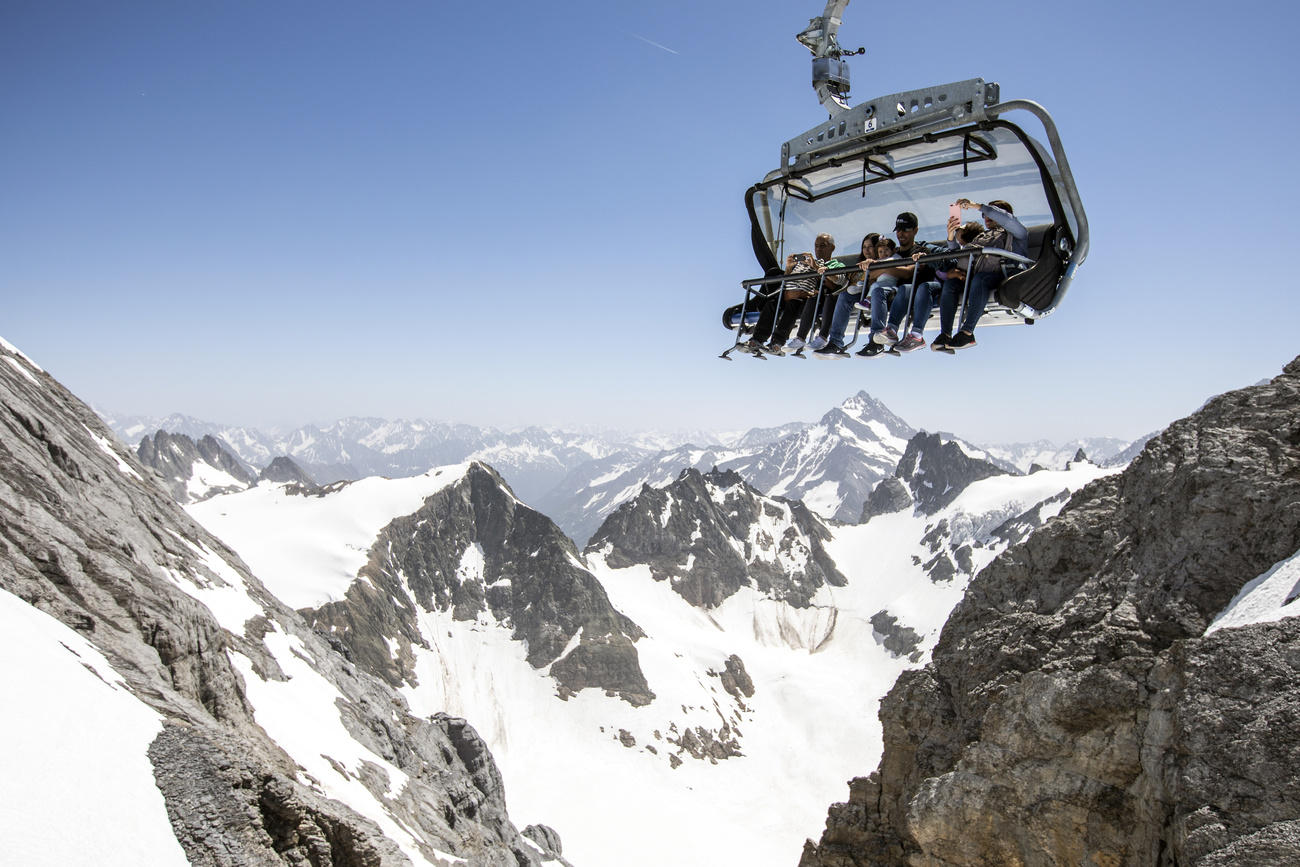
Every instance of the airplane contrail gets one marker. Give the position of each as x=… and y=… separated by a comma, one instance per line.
x=655, y=44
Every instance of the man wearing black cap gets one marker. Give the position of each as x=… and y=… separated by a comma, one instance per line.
x=890, y=293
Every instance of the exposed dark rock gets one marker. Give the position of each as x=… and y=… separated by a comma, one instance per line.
x=87, y=540
x=940, y=568
x=1074, y=710
x=710, y=535
x=889, y=495
x=701, y=743
x=283, y=469
x=547, y=840
x=937, y=470
x=735, y=680
x=1080, y=457
x=531, y=579
x=898, y=640
x=173, y=457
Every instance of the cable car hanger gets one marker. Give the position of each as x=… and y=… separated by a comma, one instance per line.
x=915, y=151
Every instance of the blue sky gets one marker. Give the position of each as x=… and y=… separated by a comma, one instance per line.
x=280, y=212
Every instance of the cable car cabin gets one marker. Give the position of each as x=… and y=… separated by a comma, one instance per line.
x=920, y=152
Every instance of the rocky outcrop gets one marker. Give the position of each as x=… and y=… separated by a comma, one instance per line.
x=889, y=495
x=284, y=470
x=90, y=542
x=898, y=639
x=936, y=471
x=475, y=551
x=710, y=534
x=177, y=459
x=1075, y=710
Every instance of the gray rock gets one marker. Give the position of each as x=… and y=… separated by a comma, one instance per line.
x=898, y=640
x=1074, y=711
x=532, y=580
x=735, y=680
x=173, y=457
x=889, y=495
x=548, y=841
x=284, y=469
x=89, y=541
x=705, y=534
x=936, y=471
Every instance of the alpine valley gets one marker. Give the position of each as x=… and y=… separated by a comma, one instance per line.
x=375, y=643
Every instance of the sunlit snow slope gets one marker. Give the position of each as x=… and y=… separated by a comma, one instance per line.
x=760, y=707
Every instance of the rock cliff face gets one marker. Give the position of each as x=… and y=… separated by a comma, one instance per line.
x=196, y=638
x=473, y=549
x=1075, y=711
x=935, y=471
x=283, y=469
x=194, y=470
x=711, y=534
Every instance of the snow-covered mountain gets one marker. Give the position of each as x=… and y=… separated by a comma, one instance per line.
x=163, y=708
x=830, y=465
x=757, y=627
x=533, y=459
x=1054, y=456
x=193, y=470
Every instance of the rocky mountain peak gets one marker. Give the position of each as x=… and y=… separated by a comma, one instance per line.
x=192, y=470
x=474, y=551
x=284, y=469
x=1076, y=708
x=710, y=534
x=936, y=470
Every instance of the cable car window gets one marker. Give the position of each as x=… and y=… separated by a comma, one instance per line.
x=848, y=199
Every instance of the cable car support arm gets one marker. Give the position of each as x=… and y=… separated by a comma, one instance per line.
x=830, y=71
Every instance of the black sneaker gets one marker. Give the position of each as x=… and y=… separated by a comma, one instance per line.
x=961, y=340
x=871, y=350
x=775, y=348
x=830, y=350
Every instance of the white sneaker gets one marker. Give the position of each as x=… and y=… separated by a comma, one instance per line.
x=817, y=343
x=794, y=345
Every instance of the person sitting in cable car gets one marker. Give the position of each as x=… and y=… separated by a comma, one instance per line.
x=890, y=292
x=867, y=250
x=1001, y=230
x=951, y=270
x=821, y=315
x=781, y=309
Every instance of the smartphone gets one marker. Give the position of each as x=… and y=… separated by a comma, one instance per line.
x=954, y=212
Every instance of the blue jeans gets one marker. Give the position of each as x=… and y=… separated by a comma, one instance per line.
x=977, y=295
x=840, y=319
x=927, y=294
x=897, y=307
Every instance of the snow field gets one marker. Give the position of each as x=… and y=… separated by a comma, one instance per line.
x=74, y=748
x=317, y=544
x=1265, y=598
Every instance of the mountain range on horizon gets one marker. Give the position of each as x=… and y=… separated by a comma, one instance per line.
x=578, y=479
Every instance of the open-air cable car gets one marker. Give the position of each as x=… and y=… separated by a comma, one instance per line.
x=917, y=151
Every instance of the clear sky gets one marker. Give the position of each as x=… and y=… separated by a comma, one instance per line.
x=280, y=211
